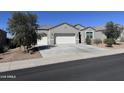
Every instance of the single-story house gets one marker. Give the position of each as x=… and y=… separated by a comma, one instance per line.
x=69, y=34
x=60, y=34
x=3, y=36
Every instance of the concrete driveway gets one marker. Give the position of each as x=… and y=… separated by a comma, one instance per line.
x=69, y=49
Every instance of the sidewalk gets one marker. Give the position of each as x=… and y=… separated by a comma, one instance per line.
x=16, y=65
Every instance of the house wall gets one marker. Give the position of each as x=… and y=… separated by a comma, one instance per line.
x=83, y=34
x=63, y=29
x=99, y=35
x=121, y=35
x=96, y=34
x=44, y=37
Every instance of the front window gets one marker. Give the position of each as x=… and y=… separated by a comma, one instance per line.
x=89, y=35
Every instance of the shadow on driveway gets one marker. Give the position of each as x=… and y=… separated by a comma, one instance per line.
x=43, y=47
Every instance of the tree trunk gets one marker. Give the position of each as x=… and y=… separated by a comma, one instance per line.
x=27, y=50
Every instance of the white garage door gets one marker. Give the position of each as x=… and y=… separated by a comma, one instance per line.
x=65, y=40
x=43, y=41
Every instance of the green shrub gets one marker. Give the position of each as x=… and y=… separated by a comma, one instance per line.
x=88, y=41
x=97, y=41
x=109, y=42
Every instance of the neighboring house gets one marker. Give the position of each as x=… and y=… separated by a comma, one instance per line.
x=102, y=28
x=2, y=37
x=69, y=34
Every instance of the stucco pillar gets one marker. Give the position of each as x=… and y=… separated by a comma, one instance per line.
x=51, y=38
x=77, y=38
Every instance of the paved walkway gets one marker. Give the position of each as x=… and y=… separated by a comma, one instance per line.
x=56, y=59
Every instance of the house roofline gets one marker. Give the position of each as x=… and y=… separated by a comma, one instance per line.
x=88, y=27
x=59, y=25
x=79, y=25
x=63, y=24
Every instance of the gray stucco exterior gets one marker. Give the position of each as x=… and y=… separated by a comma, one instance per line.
x=96, y=34
x=83, y=33
x=59, y=30
x=78, y=31
x=99, y=35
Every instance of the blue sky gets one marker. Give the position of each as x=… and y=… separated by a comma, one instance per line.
x=86, y=18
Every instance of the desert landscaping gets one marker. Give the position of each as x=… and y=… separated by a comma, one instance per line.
x=119, y=45
x=16, y=54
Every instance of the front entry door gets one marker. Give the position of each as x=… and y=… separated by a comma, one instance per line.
x=79, y=37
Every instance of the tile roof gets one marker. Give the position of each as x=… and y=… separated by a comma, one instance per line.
x=78, y=26
x=100, y=28
x=45, y=27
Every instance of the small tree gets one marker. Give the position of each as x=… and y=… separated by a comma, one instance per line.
x=112, y=30
x=22, y=25
x=88, y=40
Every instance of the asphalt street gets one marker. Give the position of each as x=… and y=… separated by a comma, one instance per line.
x=108, y=68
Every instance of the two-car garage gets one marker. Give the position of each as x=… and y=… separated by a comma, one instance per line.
x=65, y=39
